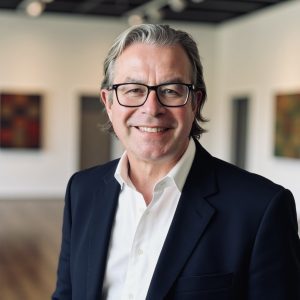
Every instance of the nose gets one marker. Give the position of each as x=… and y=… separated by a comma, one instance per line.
x=152, y=106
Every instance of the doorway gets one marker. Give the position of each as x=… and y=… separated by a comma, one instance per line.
x=95, y=145
x=240, y=107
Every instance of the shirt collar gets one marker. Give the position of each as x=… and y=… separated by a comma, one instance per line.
x=121, y=173
x=181, y=170
x=177, y=174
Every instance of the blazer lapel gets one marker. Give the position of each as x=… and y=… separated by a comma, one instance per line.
x=103, y=212
x=190, y=221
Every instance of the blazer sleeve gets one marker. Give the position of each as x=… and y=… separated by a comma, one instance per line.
x=274, y=271
x=63, y=289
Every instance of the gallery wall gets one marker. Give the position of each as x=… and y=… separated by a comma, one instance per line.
x=60, y=58
x=258, y=57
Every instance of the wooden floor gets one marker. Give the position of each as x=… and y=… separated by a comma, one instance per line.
x=30, y=236
x=30, y=233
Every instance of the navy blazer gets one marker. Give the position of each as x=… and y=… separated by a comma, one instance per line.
x=233, y=236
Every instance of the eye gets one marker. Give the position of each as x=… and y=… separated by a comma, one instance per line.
x=132, y=90
x=172, y=91
x=169, y=92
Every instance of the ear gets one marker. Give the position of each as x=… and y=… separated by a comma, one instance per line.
x=105, y=97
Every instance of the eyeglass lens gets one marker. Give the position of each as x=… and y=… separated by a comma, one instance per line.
x=133, y=94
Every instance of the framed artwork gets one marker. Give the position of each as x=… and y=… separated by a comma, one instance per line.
x=20, y=121
x=287, y=128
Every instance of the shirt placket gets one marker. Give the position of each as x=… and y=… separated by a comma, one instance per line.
x=132, y=281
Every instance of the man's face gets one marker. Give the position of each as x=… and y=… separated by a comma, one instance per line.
x=151, y=133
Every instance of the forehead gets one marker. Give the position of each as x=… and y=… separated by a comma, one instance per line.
x=155, y=61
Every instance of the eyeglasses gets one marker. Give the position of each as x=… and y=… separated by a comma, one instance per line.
x=168, y=94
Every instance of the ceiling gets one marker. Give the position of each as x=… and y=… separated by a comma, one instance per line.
x=202, y=11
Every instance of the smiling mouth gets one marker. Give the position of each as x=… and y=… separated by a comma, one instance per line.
x=152, y=129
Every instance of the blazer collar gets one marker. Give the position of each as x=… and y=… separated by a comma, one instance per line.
x=105, y=200
x=191, y=218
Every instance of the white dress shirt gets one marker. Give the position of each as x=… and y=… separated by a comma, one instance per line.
x=139, y=230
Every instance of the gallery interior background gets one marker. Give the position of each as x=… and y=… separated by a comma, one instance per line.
x=60, y=58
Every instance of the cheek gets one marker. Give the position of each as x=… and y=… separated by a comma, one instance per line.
x=118, y=117
x=186, y=119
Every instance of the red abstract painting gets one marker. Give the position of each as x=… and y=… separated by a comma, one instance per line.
x=20, y=121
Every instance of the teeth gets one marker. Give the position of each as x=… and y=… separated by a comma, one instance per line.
x=151, y=129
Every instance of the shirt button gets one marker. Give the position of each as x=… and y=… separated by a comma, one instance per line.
x=140, y=251
x=130, y=296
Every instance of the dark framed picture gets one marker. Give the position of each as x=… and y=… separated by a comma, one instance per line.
x=287, y=128
x=20, y=121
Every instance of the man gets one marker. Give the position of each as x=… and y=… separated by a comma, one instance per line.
x=168, y=220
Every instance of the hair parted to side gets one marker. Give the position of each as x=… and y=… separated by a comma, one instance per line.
x=161, y=35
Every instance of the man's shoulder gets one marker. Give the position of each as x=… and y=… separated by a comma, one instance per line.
x=231, y=175
x=230, y=178
x=240, y=192
x=96, y=174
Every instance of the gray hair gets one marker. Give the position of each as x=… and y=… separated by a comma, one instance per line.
x=162, y=35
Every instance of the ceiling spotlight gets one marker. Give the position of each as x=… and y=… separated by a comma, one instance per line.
x=35, y=8
x=177, y=5
x=135, y=19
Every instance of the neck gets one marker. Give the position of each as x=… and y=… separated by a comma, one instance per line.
x=145, y=174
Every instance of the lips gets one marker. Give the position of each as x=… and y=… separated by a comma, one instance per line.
x=152, y=129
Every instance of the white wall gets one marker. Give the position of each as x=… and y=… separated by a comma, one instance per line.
x=258, y=56
x=61, y=57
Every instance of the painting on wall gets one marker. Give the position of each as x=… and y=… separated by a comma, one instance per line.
x=20, y=121
x=287, y=130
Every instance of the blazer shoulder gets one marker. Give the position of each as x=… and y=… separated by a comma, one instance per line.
x=248, y=185
x=230, y=177
x=246, y=197
x=234, y=172
x=95, y=175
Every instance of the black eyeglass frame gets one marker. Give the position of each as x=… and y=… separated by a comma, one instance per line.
x=150, y=88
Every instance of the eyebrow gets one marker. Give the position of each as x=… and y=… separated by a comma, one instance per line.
x=174, y=79
x=132, y=80
x=171, y=80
